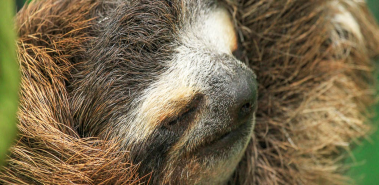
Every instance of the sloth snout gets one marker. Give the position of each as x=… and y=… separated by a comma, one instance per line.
x=236, y=99
x=245, y=90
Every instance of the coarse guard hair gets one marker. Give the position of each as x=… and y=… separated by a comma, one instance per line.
x=191, y=91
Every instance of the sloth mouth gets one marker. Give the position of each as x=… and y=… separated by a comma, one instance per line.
x=222, y=143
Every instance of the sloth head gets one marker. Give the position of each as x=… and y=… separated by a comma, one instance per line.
x=160, y=84
x=167, y=86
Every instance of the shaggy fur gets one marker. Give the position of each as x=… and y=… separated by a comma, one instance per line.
x=313, y=64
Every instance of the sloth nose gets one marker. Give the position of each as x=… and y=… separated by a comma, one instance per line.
x=244, y=92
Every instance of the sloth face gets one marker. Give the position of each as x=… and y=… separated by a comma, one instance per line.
x=191, y=117
x=197, y=118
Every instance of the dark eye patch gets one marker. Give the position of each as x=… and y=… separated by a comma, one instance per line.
x=180, y=122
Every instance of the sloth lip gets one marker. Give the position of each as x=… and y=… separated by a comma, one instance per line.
x=221, y=142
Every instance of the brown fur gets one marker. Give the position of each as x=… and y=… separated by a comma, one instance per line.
x=315, y=83
x=313, y=94
x=48, y=151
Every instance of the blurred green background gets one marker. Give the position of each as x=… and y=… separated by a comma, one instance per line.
x=366, y=169
x=9, y=77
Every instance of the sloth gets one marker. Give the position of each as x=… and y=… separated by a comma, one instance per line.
x=191, y=91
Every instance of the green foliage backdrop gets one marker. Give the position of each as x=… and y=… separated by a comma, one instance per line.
x=9, y=77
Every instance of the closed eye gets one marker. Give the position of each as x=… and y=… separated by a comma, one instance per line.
x=186, y=116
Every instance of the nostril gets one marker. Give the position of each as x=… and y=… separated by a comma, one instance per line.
x=245, y=97
x=245, y=110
